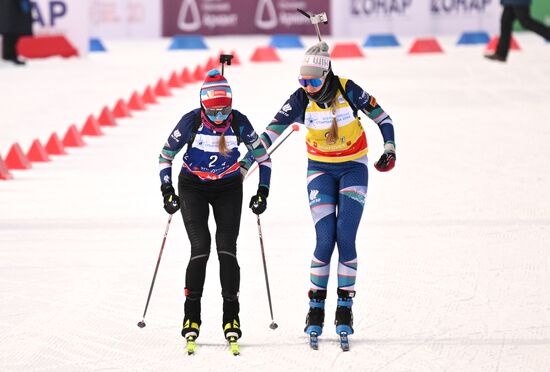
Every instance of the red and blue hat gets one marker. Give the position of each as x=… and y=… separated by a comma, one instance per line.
x=215, y=91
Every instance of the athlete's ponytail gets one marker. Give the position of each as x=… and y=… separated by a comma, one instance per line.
x=222, y=147
x=332, y=135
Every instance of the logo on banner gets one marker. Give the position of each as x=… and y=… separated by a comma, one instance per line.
x=266, y=7
x=47, y=16
x=189, y=9
x=380, y=7
x=459, y=6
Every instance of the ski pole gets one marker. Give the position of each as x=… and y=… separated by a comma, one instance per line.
x=273, y=325
x=295, y=128
x=271, y=150
x=142, y=323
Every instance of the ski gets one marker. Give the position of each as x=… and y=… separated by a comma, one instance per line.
x=344, y=342
x=233, y=345
x=191, y=345
x=313, y=341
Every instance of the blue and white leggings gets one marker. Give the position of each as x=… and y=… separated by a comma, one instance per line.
x=337, y=194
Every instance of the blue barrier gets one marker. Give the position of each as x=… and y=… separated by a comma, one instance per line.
x=187, y=42
x=286, y=41
x=96, y=45
x=381, y=40
x=471, y=38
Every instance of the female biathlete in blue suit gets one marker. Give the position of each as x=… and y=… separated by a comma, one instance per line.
x=211, y=176
x=337, y=174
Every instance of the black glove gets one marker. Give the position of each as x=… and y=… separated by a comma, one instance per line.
x=258, y=203
x=171, y=200
x=387, y=160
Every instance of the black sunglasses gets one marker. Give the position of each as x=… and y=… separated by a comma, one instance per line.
x=214, y=112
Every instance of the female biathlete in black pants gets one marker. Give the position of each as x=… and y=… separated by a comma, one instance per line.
x=211, y=176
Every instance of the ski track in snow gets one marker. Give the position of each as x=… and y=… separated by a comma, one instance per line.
x=453, y=246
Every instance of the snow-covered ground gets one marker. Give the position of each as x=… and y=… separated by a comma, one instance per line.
x=454, y=263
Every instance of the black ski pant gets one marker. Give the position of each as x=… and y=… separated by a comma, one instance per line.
x=225, y=196
x=523, y=15
x=9, y=43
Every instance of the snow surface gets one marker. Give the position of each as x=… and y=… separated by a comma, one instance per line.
x=453, y=247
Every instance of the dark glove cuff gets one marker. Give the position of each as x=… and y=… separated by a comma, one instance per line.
x=167, y=188
x=263, y=191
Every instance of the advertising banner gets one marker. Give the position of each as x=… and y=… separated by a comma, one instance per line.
x=63, y=17
x=358, y=18
x=223, y=17
x=457, y=16
x=125, y=18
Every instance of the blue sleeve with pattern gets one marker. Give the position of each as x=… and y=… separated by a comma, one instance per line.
x=291, y=112
x=179, y=137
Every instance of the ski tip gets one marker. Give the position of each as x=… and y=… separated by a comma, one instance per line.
x=313, y=341
x=233, y=345
x=344, y=342
x=235, y=349
x=191, y=345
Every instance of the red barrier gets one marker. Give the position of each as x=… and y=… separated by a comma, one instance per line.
x=210, y=64
x=16, y=159
x=346, y=50
x=4, y=172
x=54, y=146
x=492, y=45
x=91, y=127
x=106, y=118
x=174, y=81
x=162, y=89
x=149, y=96
x=73, y=138
x=428, y=45
x=265, y=54
x=199, y=74
x=235, y=61
x=37, y=152
x=136, y=102
x=187, y=77
x=45, y=46
x=121, y=110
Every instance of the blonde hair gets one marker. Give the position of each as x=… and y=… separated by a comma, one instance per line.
x=332, y=135
x=222, y=147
